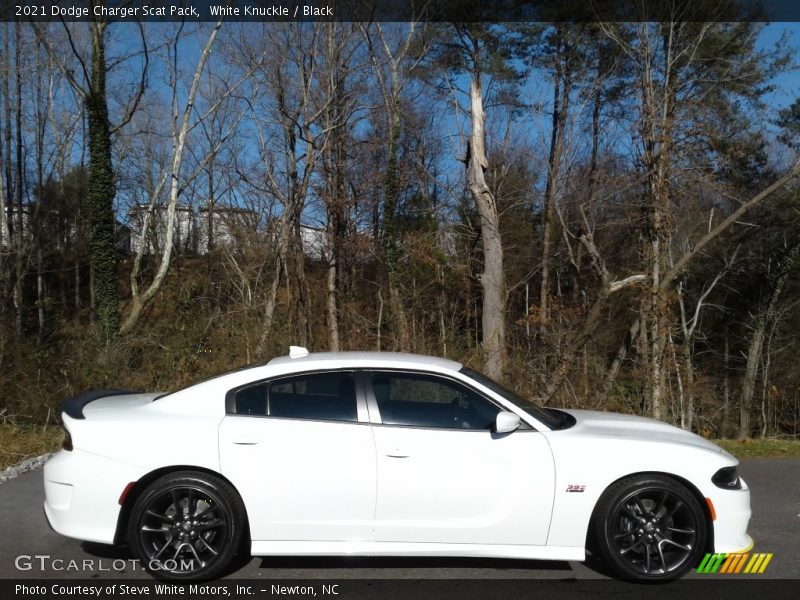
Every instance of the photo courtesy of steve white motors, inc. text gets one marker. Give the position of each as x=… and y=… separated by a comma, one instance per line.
x=176, y=11
x=168, y=590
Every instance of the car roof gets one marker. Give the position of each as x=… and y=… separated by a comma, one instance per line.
x=367, y=359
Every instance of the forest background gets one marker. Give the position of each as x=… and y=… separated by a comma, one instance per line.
x=601, y=215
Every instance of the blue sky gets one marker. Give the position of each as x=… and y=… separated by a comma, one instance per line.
x=787, y=85
x=786, y=90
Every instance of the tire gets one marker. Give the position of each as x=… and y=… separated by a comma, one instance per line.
x=186, y=526
x=649, y=528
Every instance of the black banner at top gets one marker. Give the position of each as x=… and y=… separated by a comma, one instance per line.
x=496, y=11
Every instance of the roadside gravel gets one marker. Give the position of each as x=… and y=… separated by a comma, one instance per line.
x=29, y=464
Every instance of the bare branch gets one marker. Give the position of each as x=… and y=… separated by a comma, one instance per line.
x=709, y=237
x=68, y=74
x=133, y=106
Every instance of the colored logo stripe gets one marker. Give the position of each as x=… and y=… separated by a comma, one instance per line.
x=711, y=563
x=758, y=563
x=734, y=563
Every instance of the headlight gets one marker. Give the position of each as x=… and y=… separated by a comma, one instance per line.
x=727, y=478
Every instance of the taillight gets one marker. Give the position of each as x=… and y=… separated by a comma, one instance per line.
x=67, y=443
x=125, y=492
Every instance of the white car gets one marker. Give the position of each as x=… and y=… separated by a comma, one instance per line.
x=383, y=454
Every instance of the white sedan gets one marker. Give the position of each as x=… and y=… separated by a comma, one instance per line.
x=382, y=454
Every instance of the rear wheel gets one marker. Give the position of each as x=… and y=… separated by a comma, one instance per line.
x=649, y=528
x=186, y=526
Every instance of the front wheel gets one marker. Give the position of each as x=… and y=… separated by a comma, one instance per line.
x=186, y=526
x=649, y=528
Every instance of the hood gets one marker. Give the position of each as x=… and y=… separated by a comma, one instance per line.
x=606, y=424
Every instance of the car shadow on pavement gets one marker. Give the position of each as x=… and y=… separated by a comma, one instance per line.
x=371, y=566
x=106, y=550
x=122, y=551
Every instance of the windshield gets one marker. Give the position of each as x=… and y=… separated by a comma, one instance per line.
x=554, y=419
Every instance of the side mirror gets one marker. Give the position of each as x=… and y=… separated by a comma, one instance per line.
x=506, y=422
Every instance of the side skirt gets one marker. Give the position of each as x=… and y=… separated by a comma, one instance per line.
x=366, y=548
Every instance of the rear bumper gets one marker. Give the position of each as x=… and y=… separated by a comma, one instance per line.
x=82, y=493
x=733, y=515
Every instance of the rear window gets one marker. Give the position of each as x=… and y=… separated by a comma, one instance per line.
x=318, y=396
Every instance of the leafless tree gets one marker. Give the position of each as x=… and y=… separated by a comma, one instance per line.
x=184, y=120
x=393, y=66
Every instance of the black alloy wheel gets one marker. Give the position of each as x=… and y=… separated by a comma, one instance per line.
x=649, y=528
x=186, y=526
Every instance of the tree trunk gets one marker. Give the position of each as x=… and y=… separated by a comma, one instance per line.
x=5, y=241
x=20, y=225
x=765, y=384
x=40, y=292
x=92, y=300
x=689, y=370
x=765, y=315
x=301, y=282
x=622, y=351
x=750, y=372
x=337, y=115
x=77, y=284
x=657, y=103
x=492, y=282
x=101, y=192
x=5, y=203
x=211, y=206
x=561, y=95
x=726, y=395
x=37, y=218
x=391, y=244
x=336, y=234
x=331, y=293
x=272, y=294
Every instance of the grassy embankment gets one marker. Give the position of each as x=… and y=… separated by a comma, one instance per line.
x=18, y=442
x=761, y=448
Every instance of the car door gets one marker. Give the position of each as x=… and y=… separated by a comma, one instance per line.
x=444, y=476
x=300, y=451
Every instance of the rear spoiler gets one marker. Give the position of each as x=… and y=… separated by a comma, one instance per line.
x=73, y=407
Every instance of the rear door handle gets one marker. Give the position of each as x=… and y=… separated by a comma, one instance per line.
x=397, y=454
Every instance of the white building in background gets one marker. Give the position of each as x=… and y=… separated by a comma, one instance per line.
x=314, y=241
x=183, y=232
x=447, y=238
x=11, y=222
x=230, y=227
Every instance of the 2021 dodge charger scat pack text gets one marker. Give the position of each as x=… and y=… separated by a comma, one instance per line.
x=382, y=454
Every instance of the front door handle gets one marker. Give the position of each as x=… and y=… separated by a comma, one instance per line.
x=397, y=454
x=246, y=443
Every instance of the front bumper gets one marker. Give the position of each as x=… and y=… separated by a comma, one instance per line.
x=733, y=515
x=82, y=493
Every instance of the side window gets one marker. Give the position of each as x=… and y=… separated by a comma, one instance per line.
x=430, y=401
x=319, y=396
x=252, y=400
